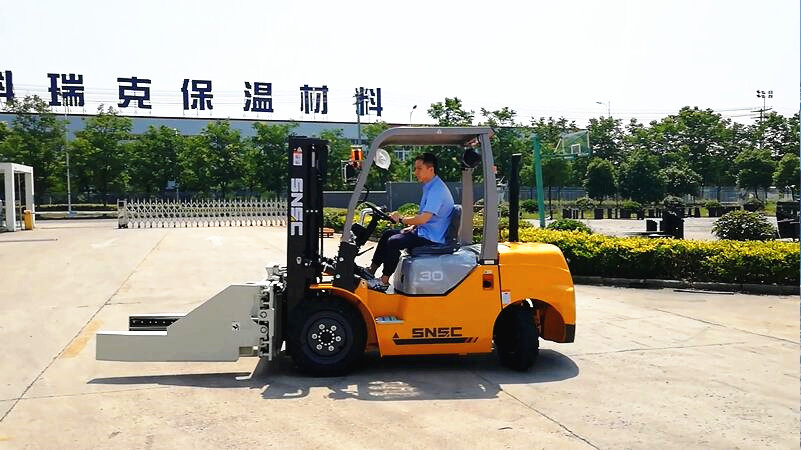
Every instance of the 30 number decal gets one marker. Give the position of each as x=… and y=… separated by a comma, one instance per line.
x=432, y=275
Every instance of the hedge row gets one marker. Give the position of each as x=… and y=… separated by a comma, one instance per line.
x=673, y=259
x=642, y=258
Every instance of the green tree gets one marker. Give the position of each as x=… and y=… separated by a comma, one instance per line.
x=195, y=162
x=267, y=163
x=377, y=177
x=549, y=131
x=606, y=139
x=450, y=113
x=701, y=138
x=777, y=134
x=599, y=181
x=509, y=138
x=36, y=139
x=640, y=179
x=754, y=169
x=103, y=145
x=226, y=155
x=338, y=150
x=4, y=132
x=680, y=180
x=787, y=173
x=155, y=159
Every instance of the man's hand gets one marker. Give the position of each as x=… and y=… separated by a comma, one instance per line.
x=408, y=229
x=395, y=216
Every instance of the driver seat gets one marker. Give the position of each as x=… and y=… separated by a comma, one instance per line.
x=451, y=244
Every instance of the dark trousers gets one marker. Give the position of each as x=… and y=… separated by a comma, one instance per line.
x=390, y=245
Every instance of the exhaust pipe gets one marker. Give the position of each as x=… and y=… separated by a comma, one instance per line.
x=514, y=198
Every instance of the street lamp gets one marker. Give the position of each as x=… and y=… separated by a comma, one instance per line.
x=608, y=107
x=410, y=114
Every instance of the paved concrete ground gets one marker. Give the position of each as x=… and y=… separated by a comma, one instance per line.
x=649, y=368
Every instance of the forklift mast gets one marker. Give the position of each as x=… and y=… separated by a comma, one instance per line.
x=307, y=168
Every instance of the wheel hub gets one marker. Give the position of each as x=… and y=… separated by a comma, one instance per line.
x=326, y=337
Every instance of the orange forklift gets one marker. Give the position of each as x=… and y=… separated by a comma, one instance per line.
x=453, y=298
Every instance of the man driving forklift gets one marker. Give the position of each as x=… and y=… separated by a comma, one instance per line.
x=426, y=228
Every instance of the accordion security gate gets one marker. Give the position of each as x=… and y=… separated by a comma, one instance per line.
x=201, y=213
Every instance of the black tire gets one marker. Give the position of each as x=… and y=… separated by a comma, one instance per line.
x=326, y=336
x=516, y=337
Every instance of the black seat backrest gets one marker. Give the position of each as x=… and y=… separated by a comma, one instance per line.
x=453, y=227
x=451, y=238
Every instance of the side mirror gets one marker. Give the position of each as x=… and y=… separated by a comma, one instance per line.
x=382, y=159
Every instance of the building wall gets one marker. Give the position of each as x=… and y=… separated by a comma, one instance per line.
x=193, y=126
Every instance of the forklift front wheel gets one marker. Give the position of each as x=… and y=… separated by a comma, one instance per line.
x=326, y=336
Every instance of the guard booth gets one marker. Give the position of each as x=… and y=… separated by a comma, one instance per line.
x=11, y=176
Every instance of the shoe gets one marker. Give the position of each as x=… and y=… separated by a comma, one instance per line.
x=365, y=273
x=376, y=285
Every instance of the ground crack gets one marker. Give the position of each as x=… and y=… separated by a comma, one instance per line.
x=568, y=430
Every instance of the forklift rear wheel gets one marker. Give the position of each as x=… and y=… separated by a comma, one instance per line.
x=516, y=337
x=326, y=336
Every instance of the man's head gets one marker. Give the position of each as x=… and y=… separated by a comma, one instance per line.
x=425, y=167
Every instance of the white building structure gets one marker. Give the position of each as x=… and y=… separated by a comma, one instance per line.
x=10, y=171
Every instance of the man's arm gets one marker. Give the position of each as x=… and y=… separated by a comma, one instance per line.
x=419, y=219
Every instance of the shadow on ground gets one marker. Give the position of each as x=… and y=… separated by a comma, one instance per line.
x=377, y=379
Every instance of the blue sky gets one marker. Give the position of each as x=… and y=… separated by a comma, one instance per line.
x=645, y=59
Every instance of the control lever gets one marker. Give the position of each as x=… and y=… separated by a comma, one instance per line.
x=364, y=251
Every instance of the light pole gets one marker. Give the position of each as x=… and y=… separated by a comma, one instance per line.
x=409, y=151
x=763, y=96
x=608, y=107
x=359, y=103
x=67, y=152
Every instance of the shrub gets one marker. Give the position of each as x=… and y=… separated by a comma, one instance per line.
x=569, y=225
x=676, y=259
x=753, y=204
x=409, y=209
x=709, y=204
x=585, y=204
x=529, y=206
x=743, y=226
x=632, y=206
x=503, y=209
x=334, y=218
x=673, y=203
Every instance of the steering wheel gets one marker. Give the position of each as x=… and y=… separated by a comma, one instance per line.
x=379, y=212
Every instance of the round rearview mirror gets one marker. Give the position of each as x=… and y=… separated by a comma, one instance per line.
x=382, y=158
x=470, y=158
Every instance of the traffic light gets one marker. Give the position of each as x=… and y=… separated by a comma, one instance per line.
x=356, y=155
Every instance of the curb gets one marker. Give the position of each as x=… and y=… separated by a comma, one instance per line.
x=760, y=289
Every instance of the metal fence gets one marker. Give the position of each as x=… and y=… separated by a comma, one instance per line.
x=201, y=213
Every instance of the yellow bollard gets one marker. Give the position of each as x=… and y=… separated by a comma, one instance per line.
x=27, y=218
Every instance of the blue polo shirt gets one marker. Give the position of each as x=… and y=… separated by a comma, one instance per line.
x=437, y=200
